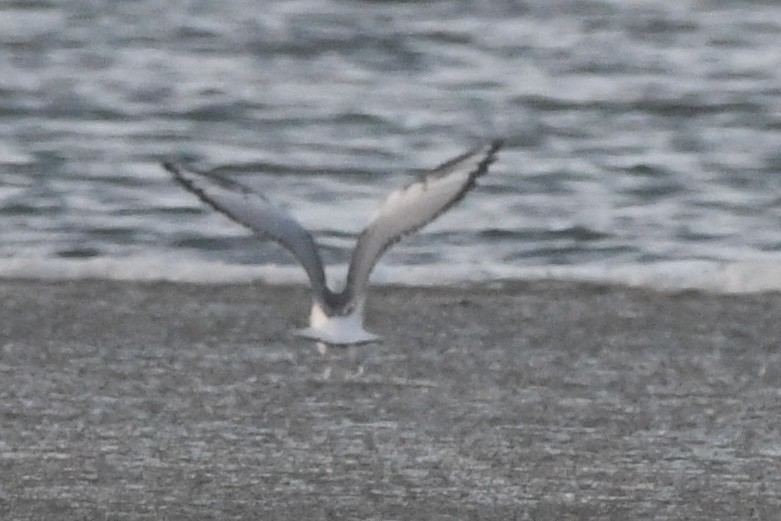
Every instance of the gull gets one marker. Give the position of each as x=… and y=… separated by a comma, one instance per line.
x=337, y=316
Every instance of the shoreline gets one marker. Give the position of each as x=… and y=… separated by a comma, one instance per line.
x=746, y=276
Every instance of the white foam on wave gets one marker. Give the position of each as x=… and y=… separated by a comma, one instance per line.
x=746, y=276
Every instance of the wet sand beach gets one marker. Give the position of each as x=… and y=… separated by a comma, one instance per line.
x=539, y=400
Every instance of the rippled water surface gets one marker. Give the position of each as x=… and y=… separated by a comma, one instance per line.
x=637, y=132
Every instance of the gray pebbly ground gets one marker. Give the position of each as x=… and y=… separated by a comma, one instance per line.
x=538, y=401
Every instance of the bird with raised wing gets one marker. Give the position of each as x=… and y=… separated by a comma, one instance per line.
x=337, y=316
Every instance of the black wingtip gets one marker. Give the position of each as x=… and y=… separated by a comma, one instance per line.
x=170, y=166
x=177, y=173
x=494, y=145
x=490, y=156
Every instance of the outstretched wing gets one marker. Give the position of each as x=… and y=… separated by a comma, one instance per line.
x=414, y=206
x=255, y=212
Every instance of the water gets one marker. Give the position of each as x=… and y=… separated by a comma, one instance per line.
x=642, y=137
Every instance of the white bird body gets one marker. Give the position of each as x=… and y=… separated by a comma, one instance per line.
x=337, y=329
x=337, y=317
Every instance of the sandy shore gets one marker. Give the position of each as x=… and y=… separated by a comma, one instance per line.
x=535, y=401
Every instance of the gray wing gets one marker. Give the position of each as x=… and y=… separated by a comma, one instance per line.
x=414, y=206
x=255, y=212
